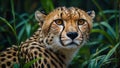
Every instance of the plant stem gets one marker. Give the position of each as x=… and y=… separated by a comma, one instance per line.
x=13, y=13
x=100, y=9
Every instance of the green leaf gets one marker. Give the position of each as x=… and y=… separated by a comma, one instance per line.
x=92, y=63
x=109, y=28
x=105, y=24
x=108, y=12
x=28, y=29
x=21, y=33
x=9, y=25
x=27, y=65
x=110, y=53
x=16, y=66
x=98, y=52
x=103, y=33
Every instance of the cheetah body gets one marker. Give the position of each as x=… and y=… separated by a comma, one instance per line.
x=61, y=34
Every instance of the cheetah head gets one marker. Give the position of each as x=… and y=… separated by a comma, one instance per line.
x=66, y=27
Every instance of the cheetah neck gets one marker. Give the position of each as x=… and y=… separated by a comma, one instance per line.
x=69, y=54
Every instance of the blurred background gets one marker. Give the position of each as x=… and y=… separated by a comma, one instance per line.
x=102, y=50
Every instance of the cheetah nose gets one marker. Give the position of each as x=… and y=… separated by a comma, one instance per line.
x=72, y=35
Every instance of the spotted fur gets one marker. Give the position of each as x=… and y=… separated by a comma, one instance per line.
x=61, y=34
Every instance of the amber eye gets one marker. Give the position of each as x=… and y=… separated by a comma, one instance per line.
x=81, y=21
x=59, y=21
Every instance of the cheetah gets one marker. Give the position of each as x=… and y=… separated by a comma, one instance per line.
x=61, y=34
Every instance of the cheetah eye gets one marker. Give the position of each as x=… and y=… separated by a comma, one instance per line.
x=59, y=21
x=81, y=21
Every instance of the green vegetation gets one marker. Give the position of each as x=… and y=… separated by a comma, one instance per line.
x=102, y=50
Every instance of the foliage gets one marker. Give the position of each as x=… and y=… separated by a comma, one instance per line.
x=102, y=49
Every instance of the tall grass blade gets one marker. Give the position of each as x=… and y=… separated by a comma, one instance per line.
x=13, y=13
x=28, y=29
x=8, y=24
x=110, y=53
x=97, y=53
x=100, y=9
x=104, y=33
x=109, y=28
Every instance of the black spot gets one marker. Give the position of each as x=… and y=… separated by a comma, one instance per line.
x=14, y=54
x=2, y=59
x=46, y=55
x=46, y=40
x=14, y=59
x=16, y=49
x=9, y=56
x=61, y=65
x=35, y=52
x=36, y=64
x=26, y=50
x=8, y=52
x=41, y=41
x=35, y=57
x=45, y=61
x=40, y=55
x=8, y=63
x=50, y=50
x=39, y=67
x=2, y=55
x=42, y=66
x=39, y=49
x=54, y=64
x=34, y=43
x=63, y=56
x=3, y=66
x=29, y=55
x=32, y=47
x=53, y=57
x=61, y=59
x=61, y=15
x=48, y=66
x=40, y=61
x=46, y=50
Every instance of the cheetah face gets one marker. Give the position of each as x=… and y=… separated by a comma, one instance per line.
x=69, y=27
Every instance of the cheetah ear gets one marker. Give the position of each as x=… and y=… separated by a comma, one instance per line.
x=40, y=17
x=91, y=14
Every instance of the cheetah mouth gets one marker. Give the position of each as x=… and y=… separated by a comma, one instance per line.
x=72, y=43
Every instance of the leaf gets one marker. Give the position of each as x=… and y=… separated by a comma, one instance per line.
x=27, y=65
x=92, y=63
x=108, y=12
x=105, y=24
x=103, y=33
x=110, y=53
x=9, y=25
x=97, y=53
x=109, y=28
x=21, y=33
x=28, y=29
x=16, y=66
